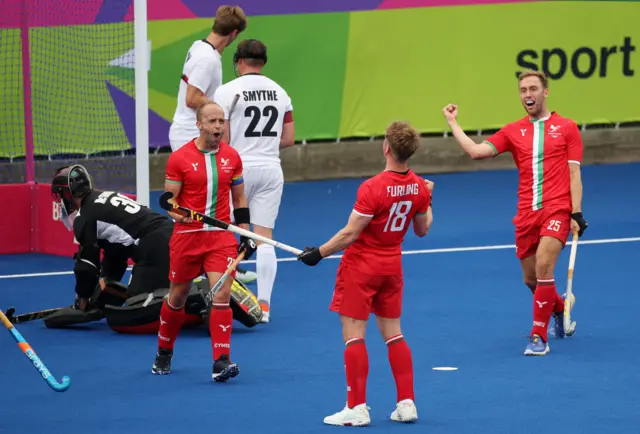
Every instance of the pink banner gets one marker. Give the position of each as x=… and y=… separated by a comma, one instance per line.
x=405, y=4
x=36, y=225
x=16, y=232
x=49, y=12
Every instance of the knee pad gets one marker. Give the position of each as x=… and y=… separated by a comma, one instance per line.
x=87, y=276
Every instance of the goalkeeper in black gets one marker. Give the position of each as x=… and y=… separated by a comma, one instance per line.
x=118, y=226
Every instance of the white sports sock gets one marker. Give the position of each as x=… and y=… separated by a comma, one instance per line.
x=266, y=267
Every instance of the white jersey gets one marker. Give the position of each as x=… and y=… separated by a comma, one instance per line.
x=203, y=70
x=257, y=119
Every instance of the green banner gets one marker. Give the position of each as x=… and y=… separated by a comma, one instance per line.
x=426, y=58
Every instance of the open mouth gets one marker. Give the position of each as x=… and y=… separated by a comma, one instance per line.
x=530, y=103
x=217, y=135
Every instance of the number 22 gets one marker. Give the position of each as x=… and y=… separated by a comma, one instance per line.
x=253, y=112
x=398, y=216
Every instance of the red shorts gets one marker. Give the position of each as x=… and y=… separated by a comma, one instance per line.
x=357, y=295
x=193, y=253
x=531, y=225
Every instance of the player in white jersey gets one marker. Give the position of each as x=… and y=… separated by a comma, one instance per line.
x=202, y=73
x=259, y=122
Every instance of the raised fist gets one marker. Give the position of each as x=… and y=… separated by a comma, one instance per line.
x=450, y=112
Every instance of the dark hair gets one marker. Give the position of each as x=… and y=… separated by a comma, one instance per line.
x=252, y=51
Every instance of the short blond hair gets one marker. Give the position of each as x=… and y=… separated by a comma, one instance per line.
x=228, y=19
x=531, y=73
x=403, y=140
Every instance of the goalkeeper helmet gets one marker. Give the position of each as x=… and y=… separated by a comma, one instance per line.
x=71, y=182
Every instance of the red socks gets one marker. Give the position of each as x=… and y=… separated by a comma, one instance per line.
x=401, y=366
x=220, y=322
x=171, y=320
x=544, y=301
x=356, y=362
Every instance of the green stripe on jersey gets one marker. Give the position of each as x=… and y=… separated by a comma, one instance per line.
x=214, y=184
x=537, y=164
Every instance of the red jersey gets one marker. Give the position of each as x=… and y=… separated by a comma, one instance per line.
x=392, y=199
x=542, y=150
x=206, y=179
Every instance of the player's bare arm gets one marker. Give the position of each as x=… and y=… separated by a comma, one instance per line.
x=576, y=194
x=175, y=187
x=242, y=217
x=239, y=201
x=422, y=222
x=288, y=135
x=195, y=97
x=346, y=235
x=477, y=151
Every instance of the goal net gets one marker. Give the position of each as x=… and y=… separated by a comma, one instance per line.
x=68, y=94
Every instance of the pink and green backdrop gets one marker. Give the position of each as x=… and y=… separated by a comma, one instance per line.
x=351, y=66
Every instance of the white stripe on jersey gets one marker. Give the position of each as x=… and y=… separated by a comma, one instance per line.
x=212, y=184
x=113, y=234
x=257, y=120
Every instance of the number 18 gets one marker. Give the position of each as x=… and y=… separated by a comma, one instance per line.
x=398, y=216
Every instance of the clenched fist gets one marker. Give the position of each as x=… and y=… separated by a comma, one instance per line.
x=450, y=112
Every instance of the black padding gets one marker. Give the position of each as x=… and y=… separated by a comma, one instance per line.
x=86, y=278
x=103, y=298
x=141, y=313
x=69, y=316
x=91, y=254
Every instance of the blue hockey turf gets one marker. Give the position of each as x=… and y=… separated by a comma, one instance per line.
x=465, y=307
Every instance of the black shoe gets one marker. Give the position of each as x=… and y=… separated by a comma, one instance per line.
x=223, y=369
x=162, y=364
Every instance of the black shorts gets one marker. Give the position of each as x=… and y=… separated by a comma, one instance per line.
x=151, y=270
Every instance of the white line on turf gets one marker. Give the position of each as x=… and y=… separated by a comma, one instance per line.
x=406, y=252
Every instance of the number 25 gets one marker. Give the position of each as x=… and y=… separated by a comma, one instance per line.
x=554, y=225
x=398, y=216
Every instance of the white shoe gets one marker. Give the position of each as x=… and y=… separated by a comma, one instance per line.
x=265, y=311
x=246, y=276
x=356, y=416
x=265, y=318
x=405, y=411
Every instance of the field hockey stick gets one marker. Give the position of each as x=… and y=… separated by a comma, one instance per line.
x=30, y=316
x=199, y=217
x=108, y=290
x=570, y=326
x=231, y=110
x=216, y=287
x=33, y=357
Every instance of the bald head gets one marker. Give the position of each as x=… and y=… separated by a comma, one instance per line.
x=209, y=109
x=210, y=122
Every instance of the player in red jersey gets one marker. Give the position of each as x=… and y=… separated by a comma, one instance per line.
x=201, y=174
x=547, y=149
x=369, y=278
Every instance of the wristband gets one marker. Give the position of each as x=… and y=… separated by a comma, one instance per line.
x=242, y=216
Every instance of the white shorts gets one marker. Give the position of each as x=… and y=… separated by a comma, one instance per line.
x=178, y=136
x=263, y=188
